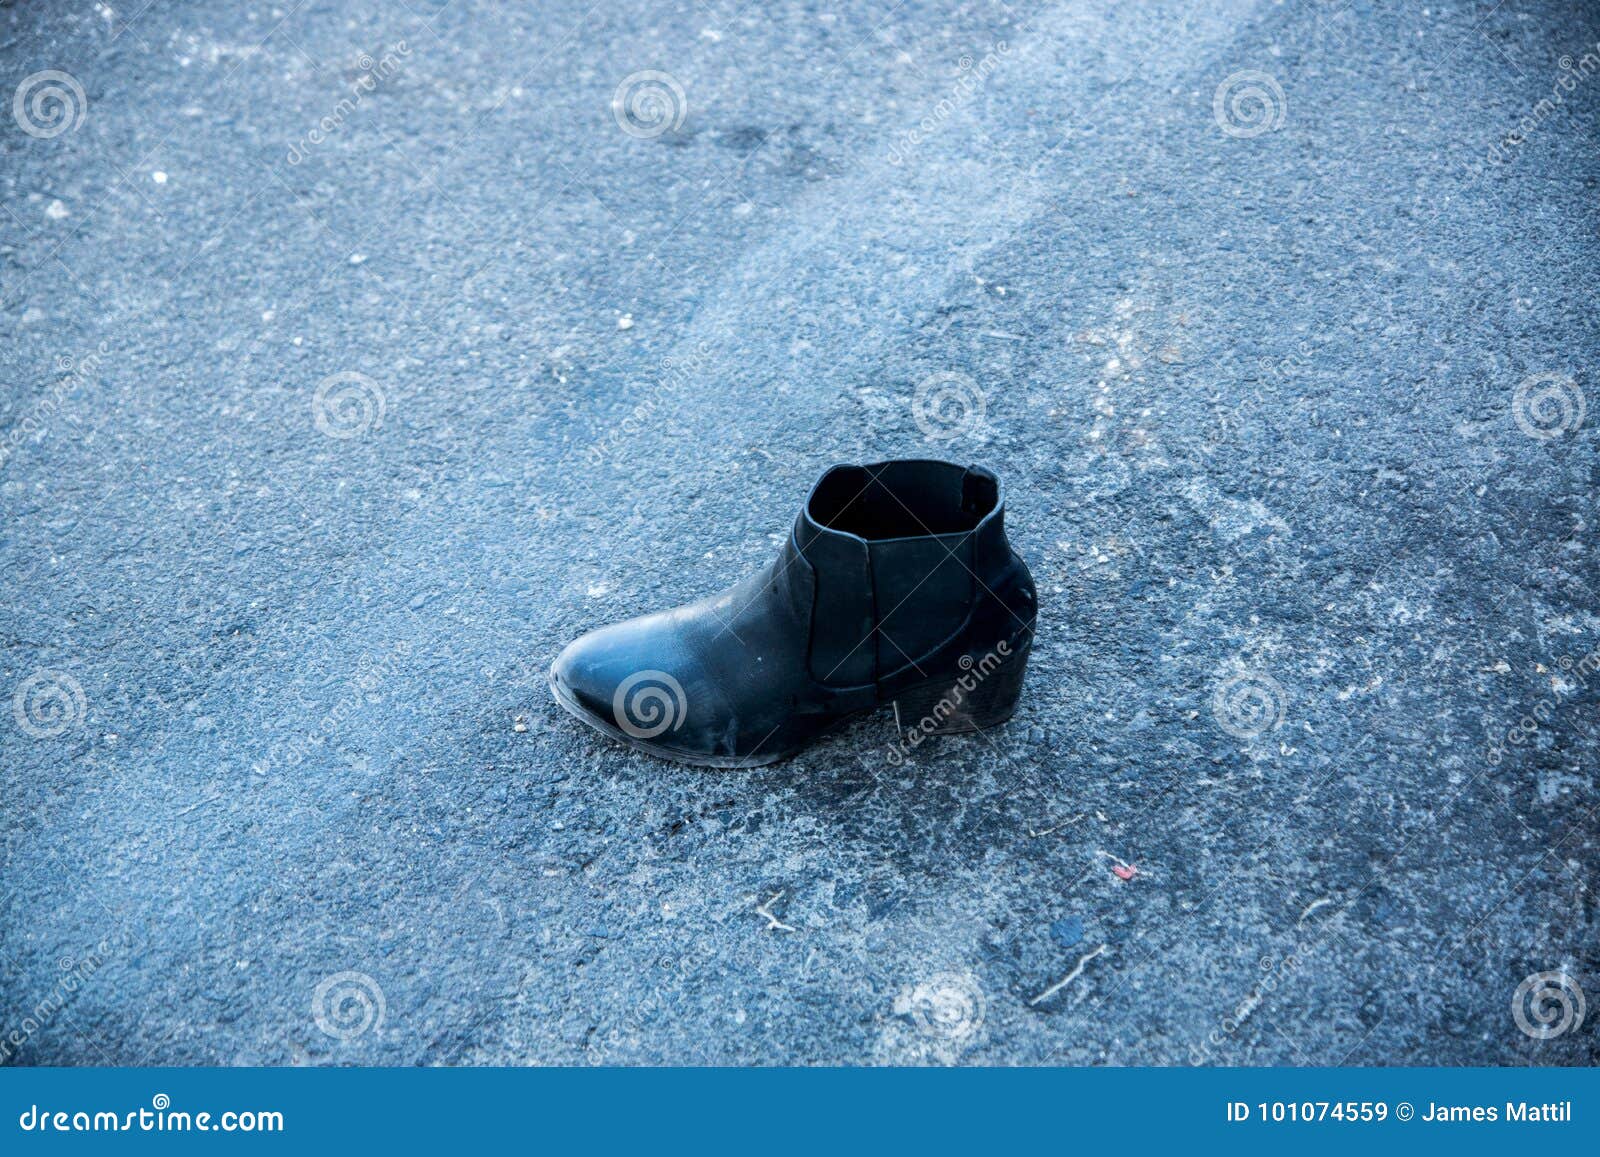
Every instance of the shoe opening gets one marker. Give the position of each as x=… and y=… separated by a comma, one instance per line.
x=904, y=499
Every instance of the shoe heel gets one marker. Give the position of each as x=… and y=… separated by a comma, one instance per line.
x=984, y=695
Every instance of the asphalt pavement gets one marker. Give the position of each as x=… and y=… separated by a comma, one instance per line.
x=357, y=356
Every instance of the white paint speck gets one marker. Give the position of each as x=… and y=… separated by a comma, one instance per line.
x=625, y=321
x=56, y=210
x=159, y=177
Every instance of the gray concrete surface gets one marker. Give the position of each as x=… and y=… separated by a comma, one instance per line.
x=280, y=778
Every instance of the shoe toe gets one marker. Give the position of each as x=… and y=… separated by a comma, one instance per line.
x=611, y=677
x=585, y=673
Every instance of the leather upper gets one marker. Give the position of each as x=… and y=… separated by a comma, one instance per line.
x=888, y=569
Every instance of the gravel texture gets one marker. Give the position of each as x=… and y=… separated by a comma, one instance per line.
x=357, y=356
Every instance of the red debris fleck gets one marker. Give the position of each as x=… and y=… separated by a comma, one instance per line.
x=1124, y=871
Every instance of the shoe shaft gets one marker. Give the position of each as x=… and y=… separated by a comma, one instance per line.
x=907, y=558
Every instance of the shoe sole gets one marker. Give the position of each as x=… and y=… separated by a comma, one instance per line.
x=914, y=698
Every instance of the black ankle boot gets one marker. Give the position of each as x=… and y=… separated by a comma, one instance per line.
x=896, y=587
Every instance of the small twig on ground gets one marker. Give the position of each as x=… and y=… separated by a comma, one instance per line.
x=1312, y=907
x=1033, y=835
x=201, y=803
x=1068, y=978
x=772, y=921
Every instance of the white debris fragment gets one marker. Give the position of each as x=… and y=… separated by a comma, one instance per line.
x=1069, y=977
x=56, y=210
x=773, y=923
